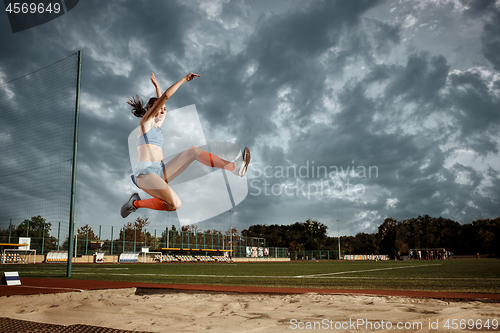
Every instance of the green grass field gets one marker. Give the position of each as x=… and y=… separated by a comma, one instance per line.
x=475, y=276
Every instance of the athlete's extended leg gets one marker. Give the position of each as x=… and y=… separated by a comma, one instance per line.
x=179, y=163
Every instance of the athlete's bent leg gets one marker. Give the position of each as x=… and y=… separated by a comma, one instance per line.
x=164, y=197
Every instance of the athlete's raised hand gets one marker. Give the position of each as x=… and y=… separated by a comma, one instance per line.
x=191, y=76
x=157, y=86
x=153, y=79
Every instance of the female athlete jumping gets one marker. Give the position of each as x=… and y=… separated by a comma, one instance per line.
x=150, y=173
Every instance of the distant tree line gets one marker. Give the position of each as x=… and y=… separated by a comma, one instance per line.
x=393, y=236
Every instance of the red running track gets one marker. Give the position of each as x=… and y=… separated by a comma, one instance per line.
x=31, y=286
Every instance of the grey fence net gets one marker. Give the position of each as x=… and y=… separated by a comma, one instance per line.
x=37, y=125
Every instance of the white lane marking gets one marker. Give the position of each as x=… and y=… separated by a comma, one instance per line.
x=366, y=270
x=297, y=277
x=74, y=289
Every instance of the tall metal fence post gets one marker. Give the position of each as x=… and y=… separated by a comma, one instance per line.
x=87, y=240
x=112, y=240
x=43, y=237
x=58, y=235
x=73, y=176
x=10, y=229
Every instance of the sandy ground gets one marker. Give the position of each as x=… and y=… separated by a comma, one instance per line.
x=220, y=312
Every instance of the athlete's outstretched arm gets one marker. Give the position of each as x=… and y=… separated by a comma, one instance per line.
x=159, y=122
x=152, y=112
x=173, y=88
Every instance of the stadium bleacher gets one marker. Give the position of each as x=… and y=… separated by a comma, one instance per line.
x=129, y=257
x=221, y=258
x=56, y=257
x=188, y=258
x=11, y=258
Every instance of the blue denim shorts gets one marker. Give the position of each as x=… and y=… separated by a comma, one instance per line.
x=146, y=168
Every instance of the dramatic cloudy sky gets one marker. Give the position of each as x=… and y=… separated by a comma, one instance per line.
x=406, y=93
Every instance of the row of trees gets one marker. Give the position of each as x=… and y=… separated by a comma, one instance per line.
x=481, y=236
x=41, y=233
x=393, y=236
x=300, y=236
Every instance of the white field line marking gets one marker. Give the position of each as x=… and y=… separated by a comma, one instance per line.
x=21, y=286
x=73, y=270
x=203, y=275
x=297, y=277
x=366, y=270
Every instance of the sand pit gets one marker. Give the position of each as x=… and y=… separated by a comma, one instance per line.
x=172, y=311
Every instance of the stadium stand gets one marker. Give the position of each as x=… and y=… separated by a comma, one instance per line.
x=11, y=258
x=366, y=257
x=204, y=258
x=188, y=258
x=129, y=257
x=56, y=257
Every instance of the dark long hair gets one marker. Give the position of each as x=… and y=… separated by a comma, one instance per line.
x=137, y=104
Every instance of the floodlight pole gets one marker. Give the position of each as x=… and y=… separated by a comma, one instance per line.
x=231, y=230
x=75, y=253
x=168, y=231
x=338, y=234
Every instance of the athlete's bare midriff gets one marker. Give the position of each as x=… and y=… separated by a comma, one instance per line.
x=150, y=153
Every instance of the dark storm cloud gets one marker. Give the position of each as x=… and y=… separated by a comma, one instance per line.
x=386, y=35
x=491, y=40
x=369, y=130
x=284, y=56
x=477, y=8
x=489, y=201
x=411, y=166
x=421, y=80
x=133, y=26
x=476, y=111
